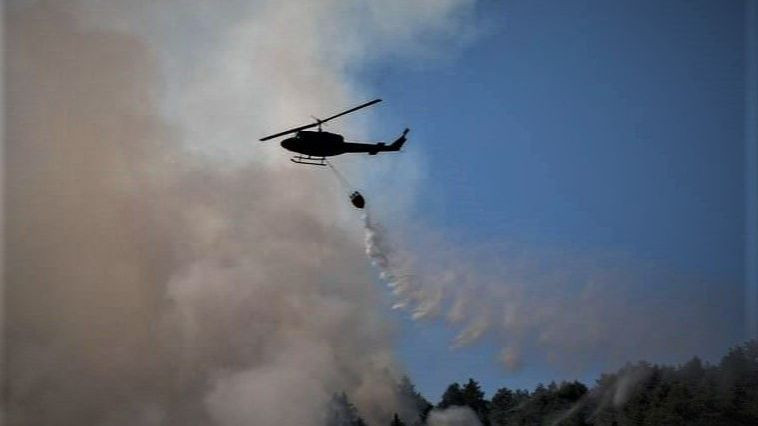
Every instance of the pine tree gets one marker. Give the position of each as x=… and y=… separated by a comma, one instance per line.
x=341, y=412
x=419, y=405
x=500, y=407
x=473, y=397
x=452, y=396
x=396, y=421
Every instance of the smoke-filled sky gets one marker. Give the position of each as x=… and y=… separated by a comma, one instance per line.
x=570, y=199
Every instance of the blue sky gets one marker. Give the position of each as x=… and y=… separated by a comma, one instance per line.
x=592, y=125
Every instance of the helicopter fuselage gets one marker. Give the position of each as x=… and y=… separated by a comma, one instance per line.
x=325, y=144
x=315, y=144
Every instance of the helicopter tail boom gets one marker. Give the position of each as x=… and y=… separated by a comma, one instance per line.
x=381, y=146
x=377, y=148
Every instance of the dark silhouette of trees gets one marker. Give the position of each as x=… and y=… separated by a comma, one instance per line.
x=504, y=404
x=694, y=393
x=554, y=404
x=341, y=412
x=396, y=421
x=469, y=395
x=473, y=397
x=417, y=404
x=453, y=396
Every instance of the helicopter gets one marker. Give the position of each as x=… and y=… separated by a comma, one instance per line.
x=312, y=147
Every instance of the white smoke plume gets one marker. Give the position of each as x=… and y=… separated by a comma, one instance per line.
x=574, y=310
x=606, y=394
x=163, y=268
x=453, y=416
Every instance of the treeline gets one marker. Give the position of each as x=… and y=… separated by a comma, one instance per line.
x=695, y=393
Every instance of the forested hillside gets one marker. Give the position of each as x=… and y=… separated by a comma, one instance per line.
x=695, y=393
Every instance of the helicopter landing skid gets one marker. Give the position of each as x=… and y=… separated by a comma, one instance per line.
x=311, y=161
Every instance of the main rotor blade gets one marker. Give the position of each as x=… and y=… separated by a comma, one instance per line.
x=375, y=101
x=286, y=132
x=319, y=122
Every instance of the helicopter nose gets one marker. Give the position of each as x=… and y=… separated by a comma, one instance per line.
x=287, y=144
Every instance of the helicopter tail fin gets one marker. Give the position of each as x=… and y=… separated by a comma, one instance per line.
x=395, y=146
x=373, y=149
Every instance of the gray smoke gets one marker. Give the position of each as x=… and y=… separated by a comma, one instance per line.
x=161, y=267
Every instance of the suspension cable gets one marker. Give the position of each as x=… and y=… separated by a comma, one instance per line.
x=340, y=177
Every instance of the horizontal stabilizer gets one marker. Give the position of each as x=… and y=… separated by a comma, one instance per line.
x=379, y=147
